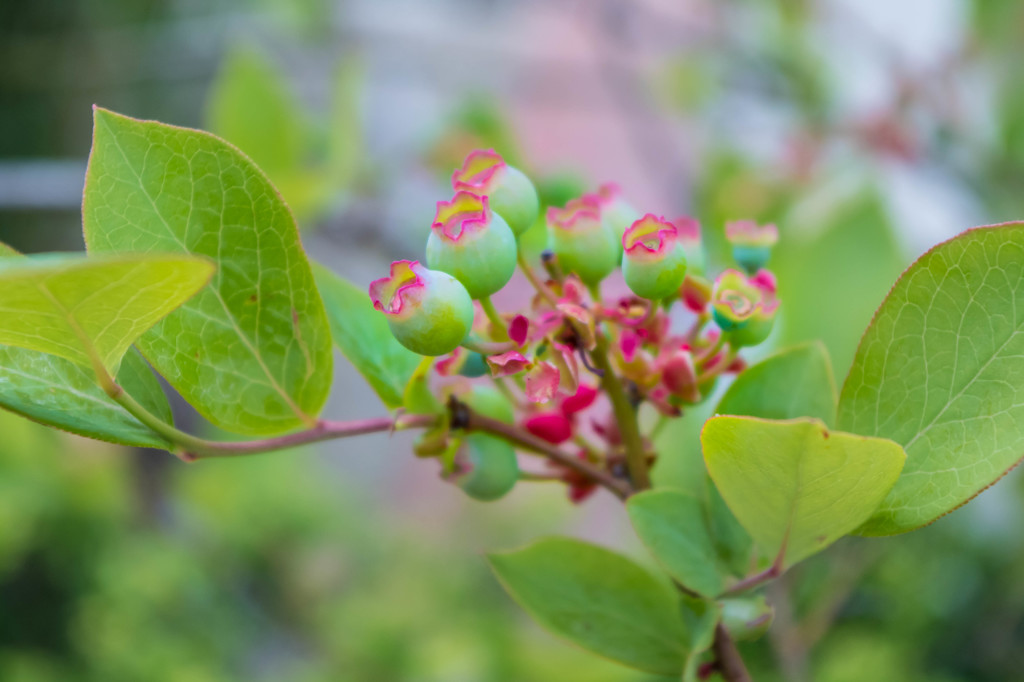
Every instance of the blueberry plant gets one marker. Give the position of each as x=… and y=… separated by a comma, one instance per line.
x=195, y=269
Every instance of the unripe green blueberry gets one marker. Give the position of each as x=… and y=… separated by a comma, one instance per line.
x=751, y=243
x=429, y=312
x=474, y=366
x=654, y=264
x=473, y=244
x=584, y=245
x=747, y=618
x=490, y=402
x=487, y=467
x=744, y=308
x=616, y=213
x=511, y=193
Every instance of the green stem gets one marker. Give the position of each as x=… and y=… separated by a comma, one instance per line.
x=531, y=277
x=499, y=332
x=625, y=416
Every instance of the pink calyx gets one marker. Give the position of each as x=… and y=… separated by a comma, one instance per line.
x=578, y=214
x=395, y=293
x=649, y=236
x=464, y=214
x=481, y=169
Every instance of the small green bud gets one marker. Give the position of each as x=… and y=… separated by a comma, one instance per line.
x=751, y=243
x=744, y=308
x=747, y=618
x=486, y=469
x=429, y=312
x=584, y=245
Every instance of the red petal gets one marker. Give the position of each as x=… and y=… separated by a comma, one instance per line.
x=551, y=426
x=581, y=400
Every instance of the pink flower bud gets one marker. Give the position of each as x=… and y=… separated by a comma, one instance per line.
x=679, y=374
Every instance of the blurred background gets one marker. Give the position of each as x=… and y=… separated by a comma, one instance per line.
x=866, y=131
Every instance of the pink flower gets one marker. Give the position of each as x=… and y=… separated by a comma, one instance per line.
x=542, y=382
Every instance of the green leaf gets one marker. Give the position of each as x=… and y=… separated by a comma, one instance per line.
x=251, y=107
x=363, y=336
x=599, y=600
x=796, y=382
x=674, y=528
x=7, y=251
x=60, y=393
x=90, y=310
x=940, y=370
x=345, y=132
x=795, y=486
x=838, y=255
x=252, y=352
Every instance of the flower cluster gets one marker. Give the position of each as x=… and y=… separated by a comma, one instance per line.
x=561, y=368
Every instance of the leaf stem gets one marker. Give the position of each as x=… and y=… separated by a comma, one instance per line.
x=625, y=416
x=750, y=582
x=728, y=658
x=190, y=448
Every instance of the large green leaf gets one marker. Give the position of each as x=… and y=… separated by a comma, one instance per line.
x=90, y=310
x=251, y=107
x=363, y=335
x=60, y=393
x=673, y=526
x=599, y=600
x=252, y=352
x=796, y=382
x=794, y=485
x=57, y=392
x=941, y=371
x=837, y=257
